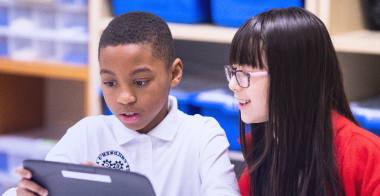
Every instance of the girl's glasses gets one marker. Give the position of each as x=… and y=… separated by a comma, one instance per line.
x=242, y=77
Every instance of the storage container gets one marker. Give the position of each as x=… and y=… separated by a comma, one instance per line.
x=52, y=31
x=221, y=104
x=180, y=11
x=3, y=15
x=72, y=2
x=12, y=154
x=3, y=46
x=371, y=12
x=367, y=113
x=234, y=13
x=23, y=49
x=72, y=24
x=74, y=53
x=184, y=101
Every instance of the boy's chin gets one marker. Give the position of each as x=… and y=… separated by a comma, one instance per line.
x=136, y=127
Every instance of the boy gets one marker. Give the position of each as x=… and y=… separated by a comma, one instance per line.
x=180, y=154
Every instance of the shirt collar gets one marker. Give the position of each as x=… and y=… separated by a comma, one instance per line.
x=166, y=130
x=168, y=127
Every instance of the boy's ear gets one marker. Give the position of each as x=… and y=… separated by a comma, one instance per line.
x=176, y=72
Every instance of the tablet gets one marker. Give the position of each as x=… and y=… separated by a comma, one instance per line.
x=62, y=179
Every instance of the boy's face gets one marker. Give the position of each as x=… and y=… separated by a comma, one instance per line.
x=136, y=84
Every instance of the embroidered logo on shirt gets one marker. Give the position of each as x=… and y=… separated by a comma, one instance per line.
x=113, y=159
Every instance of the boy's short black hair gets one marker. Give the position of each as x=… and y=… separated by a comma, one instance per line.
x=140, y=27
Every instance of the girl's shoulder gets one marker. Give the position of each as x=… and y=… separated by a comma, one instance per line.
x=358, y=157
x=347, y=134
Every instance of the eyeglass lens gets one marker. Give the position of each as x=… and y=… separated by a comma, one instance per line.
x=242, y=79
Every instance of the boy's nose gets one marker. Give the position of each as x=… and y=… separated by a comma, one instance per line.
x=126, y=97
x=233, y=85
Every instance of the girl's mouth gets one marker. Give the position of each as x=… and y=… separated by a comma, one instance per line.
x=244, y=102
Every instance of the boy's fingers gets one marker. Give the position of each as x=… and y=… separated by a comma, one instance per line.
x=23, y=173
x=29, y=185
x=24, y=192
x=89, y=163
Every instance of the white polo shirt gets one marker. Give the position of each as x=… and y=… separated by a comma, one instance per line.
x=183, y=155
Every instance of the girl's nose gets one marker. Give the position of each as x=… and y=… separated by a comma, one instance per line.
x=126, y=97
x=233, y=85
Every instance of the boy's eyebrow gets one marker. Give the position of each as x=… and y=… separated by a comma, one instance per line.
x=106, y=71
x=145, y=69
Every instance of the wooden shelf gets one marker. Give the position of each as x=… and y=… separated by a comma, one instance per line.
x=360, y=41
x=193, y=32
x=39, y=69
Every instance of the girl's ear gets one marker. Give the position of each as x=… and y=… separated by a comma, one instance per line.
x=176, y=72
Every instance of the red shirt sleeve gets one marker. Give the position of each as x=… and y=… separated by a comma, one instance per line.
x=360, y=167
x=244, y=180
x=358, y=158
x=244, y=183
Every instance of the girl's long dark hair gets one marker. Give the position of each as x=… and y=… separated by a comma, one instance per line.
x=293, y=152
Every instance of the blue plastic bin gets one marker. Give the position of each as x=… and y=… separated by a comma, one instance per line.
x=184, y=100
x=76, y=53
x=221, y=104
x=367, y=112
x=72, y=2
x=180, y=11
x=3, y=162
x=4, y=16
x=3, y=46
x=106, y=110
x=234, y=13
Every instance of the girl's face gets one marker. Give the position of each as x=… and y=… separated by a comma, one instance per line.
x=253, y=101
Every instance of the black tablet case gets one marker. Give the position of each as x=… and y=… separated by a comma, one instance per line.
x=49, y=175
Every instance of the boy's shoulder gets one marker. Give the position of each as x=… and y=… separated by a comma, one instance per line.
x=94, y=123
x=196, y=118
x=199, y=122
x=100, y=119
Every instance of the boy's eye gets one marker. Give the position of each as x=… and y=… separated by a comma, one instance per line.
x=110, y=83
x=140, y=83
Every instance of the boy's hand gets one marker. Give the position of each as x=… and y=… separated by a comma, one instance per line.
x=89, y=163
x=26, y=186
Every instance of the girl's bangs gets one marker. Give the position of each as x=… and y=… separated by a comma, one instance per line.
x=247, y=47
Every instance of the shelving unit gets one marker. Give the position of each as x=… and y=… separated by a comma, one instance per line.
x=43, y=30
x=37, y=69
x=358, y=49
x=361, y=41
x=345, y=21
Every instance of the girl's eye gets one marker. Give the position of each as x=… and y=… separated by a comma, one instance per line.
x=110, y=83
x=140, y=83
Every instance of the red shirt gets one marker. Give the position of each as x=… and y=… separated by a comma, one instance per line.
x=358, y=158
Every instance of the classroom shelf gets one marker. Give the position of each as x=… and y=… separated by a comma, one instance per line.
x=193, y=32
x=360, y=41
x=48, y=70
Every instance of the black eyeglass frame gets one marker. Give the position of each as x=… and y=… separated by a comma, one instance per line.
x=228, y=69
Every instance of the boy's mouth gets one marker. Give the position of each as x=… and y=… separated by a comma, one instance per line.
x=129, y=117
x=129, y=114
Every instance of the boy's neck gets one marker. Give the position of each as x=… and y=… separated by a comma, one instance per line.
x=156, y=121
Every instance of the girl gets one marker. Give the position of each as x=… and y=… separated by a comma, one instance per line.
x=303, y=137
